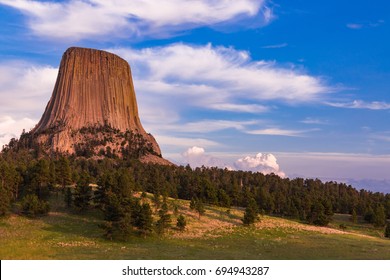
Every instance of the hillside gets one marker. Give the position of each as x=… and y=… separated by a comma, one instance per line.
x=218, y=234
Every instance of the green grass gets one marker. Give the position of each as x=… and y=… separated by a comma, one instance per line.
x=63, y=235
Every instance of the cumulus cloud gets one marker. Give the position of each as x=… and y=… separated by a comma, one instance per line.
x=12, y=128
x=25, y=87
x=360, y=104
x=264, y=163
x=196, y=157
x=83, y=19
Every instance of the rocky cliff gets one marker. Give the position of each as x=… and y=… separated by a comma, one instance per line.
x=93, y=110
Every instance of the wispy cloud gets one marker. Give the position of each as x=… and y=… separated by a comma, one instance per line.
x=360, y=104
x=278, y=132
x=355, y=26
x=206, y=126
x=277, y=46
x=314, y=121
x=84, y=19
x=219, y=78
x=383, y=136
x=174, y=141
x=366, y=24
x=240, y=108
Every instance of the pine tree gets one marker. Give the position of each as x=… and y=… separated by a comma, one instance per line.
x=181, y=223
x=369, y=215
x=5, y=201
x=317, y=215
x=64, y=173
x=387, y=230
x=354, y=216
x=193, y=203
x=83, y=193
x=32, y=206
x=200, y=208
x=197, y=205
x=165, y=218
x=251, y=212
x=68, y=197
x=379, y=216
x=117, y=216
x=145, y=219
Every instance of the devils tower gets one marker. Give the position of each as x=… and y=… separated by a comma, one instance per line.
x=93, y=110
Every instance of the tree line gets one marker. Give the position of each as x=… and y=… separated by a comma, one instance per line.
x=30, y=180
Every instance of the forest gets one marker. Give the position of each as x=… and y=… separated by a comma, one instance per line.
x=108, y=185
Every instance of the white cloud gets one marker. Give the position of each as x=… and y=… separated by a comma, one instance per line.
x=83, y=19
x=219, y=78
x=25, y=87
x=355, y=26
x=12, y=128
x=242, y=108
x=360, y=104
x=366, y=24
x=196, y=157
x=205, y=126
x=314, y=121
x=278, y=46
x=173, y=141
x=277, y=131
x=264, y=163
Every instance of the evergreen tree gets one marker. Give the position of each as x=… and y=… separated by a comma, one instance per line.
x=379, y=219
x=83, y=193
x=317, y=215
x=5, y=201
x=32, y=206
x=197, y=205
x=387, y=230
x=193, y=203
x=251, y=212
x=64, y=173
x=117, y=216
x=40, y=179
x=145, y=219
x=165, y=218
x=369, y=215
x=354, y=216
x=68, y=197
x=181, y=223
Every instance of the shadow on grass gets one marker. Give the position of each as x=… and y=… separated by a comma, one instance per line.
x=70, y=224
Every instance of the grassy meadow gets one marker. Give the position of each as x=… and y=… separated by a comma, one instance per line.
x=218, y=234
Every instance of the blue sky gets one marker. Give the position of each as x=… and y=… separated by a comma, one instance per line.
x=299, y=88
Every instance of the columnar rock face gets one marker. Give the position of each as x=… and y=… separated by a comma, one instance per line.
x=93, y=88
x=94, y=100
